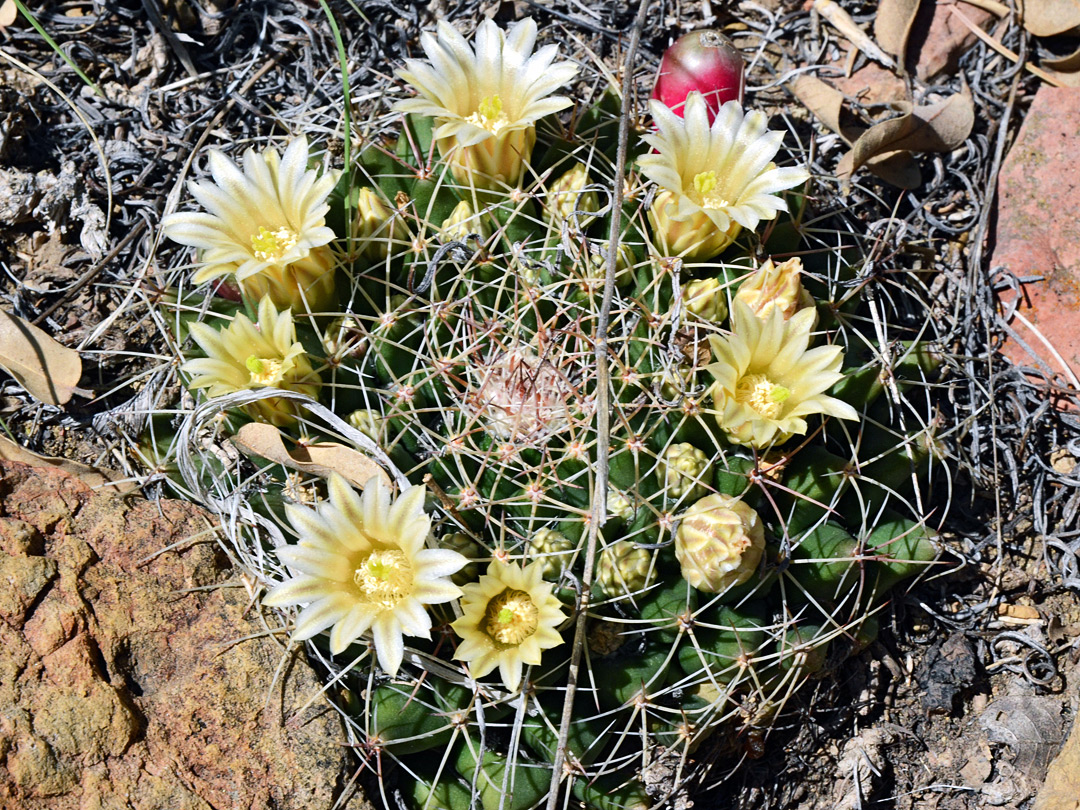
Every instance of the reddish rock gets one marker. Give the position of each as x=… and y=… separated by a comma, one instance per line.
x=1038, y=232
x=872, y=84
x=939, y=37
x=122, y=687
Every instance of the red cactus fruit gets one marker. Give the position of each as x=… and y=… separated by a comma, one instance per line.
x=705, y=61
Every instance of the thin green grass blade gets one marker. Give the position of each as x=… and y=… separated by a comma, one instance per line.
x=52, y=44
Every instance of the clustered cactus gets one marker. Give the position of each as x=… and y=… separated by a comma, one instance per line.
x=443, y=296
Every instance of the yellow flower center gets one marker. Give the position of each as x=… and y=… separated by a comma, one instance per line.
x=763, y=396
x=489, y=114
x=384, y=577
x=705, y=184
x=269, y=246
x=511, y=617
x=264, y=370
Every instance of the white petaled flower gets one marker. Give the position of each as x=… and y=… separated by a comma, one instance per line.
x=486, y=102
x=714, y=180
x=768, y=379
x=245, y=356
x=508, y=619
x=363, y=568
x=265, y=223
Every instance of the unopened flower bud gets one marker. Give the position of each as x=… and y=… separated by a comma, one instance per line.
x=368, y=422
x=775, y=286
x=468, y=548
x=619, y=505
x=623, y=568
x=377, y=225
x=344, y=337
x=567, y=197
x=596, y=268
x=462, y=223
x=689, y=235
x=683, y=466
x=706, y=298
x=719, y=543
x=554, y=549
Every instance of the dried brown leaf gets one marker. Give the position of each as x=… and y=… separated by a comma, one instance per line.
x=49, y=371
x=1063, y=64
x=1029, y=726
x=939, y=127
x=843, y=22
x=892, y=25
x=318, y=459
x=1045, y=18
x=91, y=476
x=822, y=99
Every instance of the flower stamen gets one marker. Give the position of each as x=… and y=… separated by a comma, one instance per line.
x=765, y=397
x=705, y=184
x=264, y=370
x=384, y=577
x=489, y=114
x=271, y=246
x=511, y=617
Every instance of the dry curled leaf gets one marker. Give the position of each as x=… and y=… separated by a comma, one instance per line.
x=1045, y=18
x=1029, y=726
x=91, y=476
x=1064, y=64
x=49, y=371
x=843, y=22
x=320, y=459
x=827, y=103
x=892, y=25
x=939, y=127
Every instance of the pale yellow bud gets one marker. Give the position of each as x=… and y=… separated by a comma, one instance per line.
x=623, y=568
x=596, y=268
x=470, y=550
x=378, y=227
x=344, y=337
x=775, y=286
x=719, y=543
x=619, y=505
x=706, y=298
x=554, y=550
x=683, y=466
x=694, y=237
x=567, y=197
x=368, y=422
x=461, y=223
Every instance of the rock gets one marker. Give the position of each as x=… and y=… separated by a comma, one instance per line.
x=1037, y=231
x=939, y=37
x=123, y=678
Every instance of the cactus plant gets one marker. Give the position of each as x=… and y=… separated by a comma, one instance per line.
x=751, y=519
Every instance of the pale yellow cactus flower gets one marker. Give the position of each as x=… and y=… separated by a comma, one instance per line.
x=245, y=356
x=775, y=286
x=486, y=101
x=768, y=379
x=265, y=224
x=719, y=543
x=362, y=567
x=714, y=180
x=508, y=619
